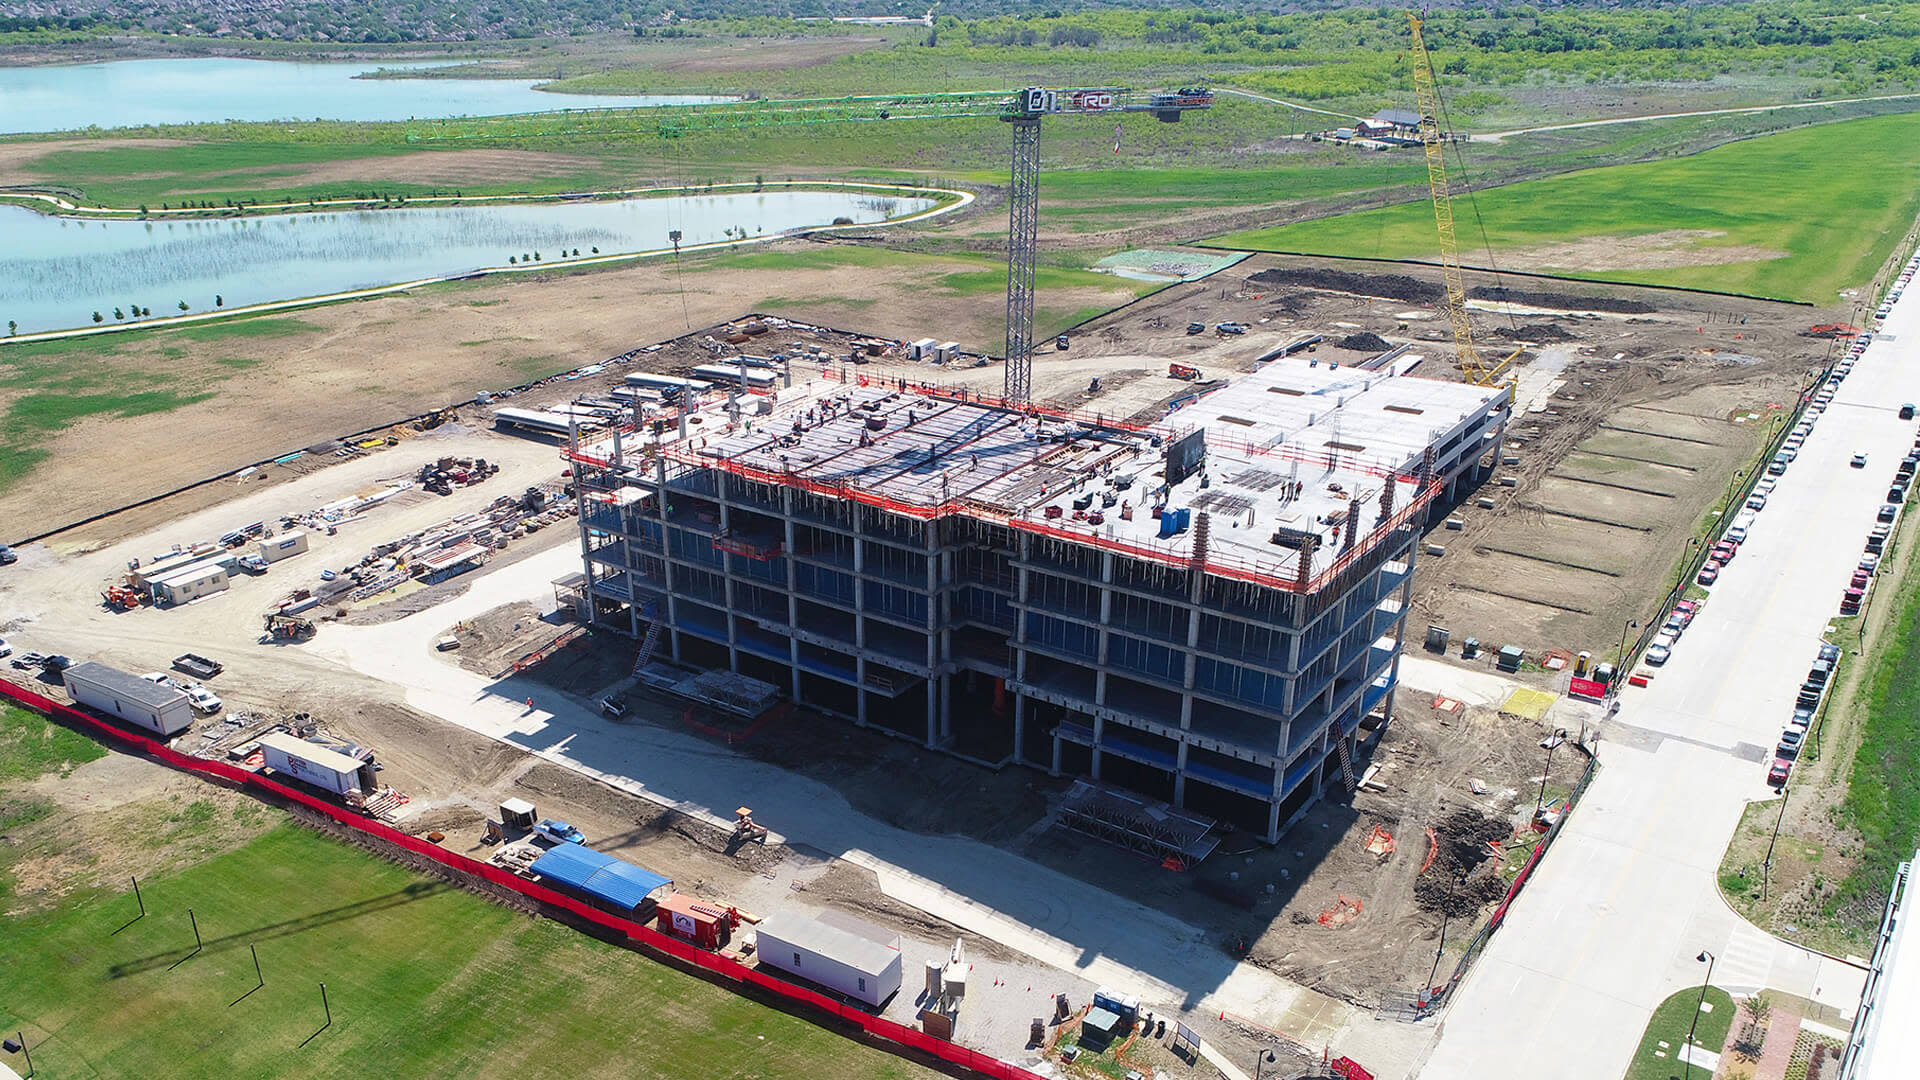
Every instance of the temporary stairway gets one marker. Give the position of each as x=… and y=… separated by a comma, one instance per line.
x=652, y=641
x=1346, y=762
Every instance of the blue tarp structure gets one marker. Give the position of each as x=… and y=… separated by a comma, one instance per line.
x=598, y=875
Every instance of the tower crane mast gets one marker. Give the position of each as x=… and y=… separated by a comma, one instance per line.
x=1022, y=110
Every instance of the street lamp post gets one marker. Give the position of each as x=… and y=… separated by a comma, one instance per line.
x=1553, y=742
x=1766, y=867
x=1260, y=1061
x=1686, y=1055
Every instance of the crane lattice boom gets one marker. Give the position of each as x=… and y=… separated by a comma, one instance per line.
x=1427, y=92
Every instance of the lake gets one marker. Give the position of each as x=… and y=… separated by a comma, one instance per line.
x=55, y=272
x=131, y=93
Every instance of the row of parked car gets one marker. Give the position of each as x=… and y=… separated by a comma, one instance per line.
x=1794, y=735
x=1900, y=286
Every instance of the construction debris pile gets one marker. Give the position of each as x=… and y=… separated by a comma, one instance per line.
x=1537, y=333
x=1463, y=876
x=1365, y=342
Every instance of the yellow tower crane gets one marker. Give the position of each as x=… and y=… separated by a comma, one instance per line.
x=1479, y=372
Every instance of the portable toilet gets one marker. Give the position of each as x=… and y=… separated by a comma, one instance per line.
x=1580, y=664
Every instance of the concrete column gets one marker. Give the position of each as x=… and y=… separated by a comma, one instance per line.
x=859, y=692
x=1273, y=822
x=935, y=711
x=1193, y=642
x=1180, y=777
x=1019, y=727
x=1099, y=734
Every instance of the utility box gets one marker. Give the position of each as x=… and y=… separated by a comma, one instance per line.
x=1510, y=658
x=285, y=546
x=1437, y=638
x=329, y=770
x=150, y=706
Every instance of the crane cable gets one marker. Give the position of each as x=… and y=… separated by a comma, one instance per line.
x=1466, y=181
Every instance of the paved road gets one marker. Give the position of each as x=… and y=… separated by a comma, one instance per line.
x=1496, y=136
x=1618, y=912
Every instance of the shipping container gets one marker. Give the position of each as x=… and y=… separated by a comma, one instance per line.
x=836, y=951
x=327, y=769
x=151, y=706
x=284, y=546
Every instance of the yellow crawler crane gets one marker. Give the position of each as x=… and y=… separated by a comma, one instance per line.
x=1478, y=371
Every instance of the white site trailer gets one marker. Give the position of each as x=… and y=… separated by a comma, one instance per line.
x=837, y=951
x=327, y=769
x=203, y=578
x=285, y=546
x=164, y=710
x=922, y=349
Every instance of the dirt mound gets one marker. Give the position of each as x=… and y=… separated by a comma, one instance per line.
x=1387, y=286
x=1456, y=884
x=1561, y=300
x=1539, y=333
x=1365, y=342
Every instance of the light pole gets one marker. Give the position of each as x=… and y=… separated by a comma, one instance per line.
x=1706, y=958
x=1552, y=742
x=1766, y=867
x=1260, y=1061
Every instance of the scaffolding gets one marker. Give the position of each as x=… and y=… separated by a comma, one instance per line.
x=1137, y=824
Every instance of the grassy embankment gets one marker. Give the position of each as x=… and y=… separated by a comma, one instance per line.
x=1799, y=215
x=50, y=385
x=421, y=977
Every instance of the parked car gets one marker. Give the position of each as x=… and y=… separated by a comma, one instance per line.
x=1766, y=485
x=1196, y=328
x=1861, y=578
x=559, y=832
x=1869, y=563
x=55, y=664
x=6, y=650
x=1725, y=550
x=1676, y=624
x=613, y=707
x=1859, y=461
x=1756, y=501
x=1802, y=719
x=1888, y=512
x=203, y=699
x=1777, y=775
x=1657, y=655
x=1709, y=573
x=1790, y=742
x=1829, y=651
x=1906, y=411
x=7, y=555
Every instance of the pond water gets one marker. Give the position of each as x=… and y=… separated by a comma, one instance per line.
x=131, y=93
x=55, y=272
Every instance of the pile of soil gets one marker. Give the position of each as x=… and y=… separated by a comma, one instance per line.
x=1539, y=333
x=1561, y=300
x=1365, y=342
x=1451, y=886
x=1387, y=286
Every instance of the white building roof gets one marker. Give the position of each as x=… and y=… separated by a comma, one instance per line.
x=859, y=951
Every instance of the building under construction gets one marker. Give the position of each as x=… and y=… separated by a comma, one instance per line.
x=1203, y=610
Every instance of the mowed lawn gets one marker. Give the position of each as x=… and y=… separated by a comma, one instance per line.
x=424, y=980
x=1831, y=200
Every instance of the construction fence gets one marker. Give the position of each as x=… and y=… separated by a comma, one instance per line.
x=1427, y=1001
x=900, y=1036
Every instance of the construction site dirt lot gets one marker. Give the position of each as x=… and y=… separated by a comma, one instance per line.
x=289, y=382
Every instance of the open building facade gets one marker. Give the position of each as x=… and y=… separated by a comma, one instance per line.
x=1204, y=610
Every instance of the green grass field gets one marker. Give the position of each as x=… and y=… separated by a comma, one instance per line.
x=423, y=980
x=1831, y=200
x=1881, y=800
x=1669, y=1025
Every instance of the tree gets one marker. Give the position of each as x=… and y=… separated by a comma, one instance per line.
x=596, y=251
x=513, y=260
x=143, y=209
x=219, y=301
x=759, y=182
x=13, y=327
x=146, y=312
x=536, y=256
x=183, y=305
x=97, y=317
x=118, y=314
